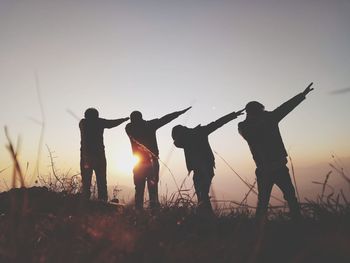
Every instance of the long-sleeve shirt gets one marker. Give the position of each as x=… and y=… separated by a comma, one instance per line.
x=263, y=135
x=143, y=135
x=195, y=142
x=91, y=131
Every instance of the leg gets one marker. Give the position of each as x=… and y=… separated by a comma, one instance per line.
x=205, y=192
x=197, y=186
x=202, y=181
x=152, y=184
x=265, y=184
x=139, y=181
x=284, y=182
x=86, y=175
x=101, y=178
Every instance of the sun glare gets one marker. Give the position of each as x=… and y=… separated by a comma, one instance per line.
x=126, y=163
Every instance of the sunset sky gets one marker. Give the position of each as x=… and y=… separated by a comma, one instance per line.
x=163, y=56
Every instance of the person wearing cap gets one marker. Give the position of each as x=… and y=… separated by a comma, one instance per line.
x=92, y=151
x=199, y=155
x=142, y=135
x=260, y=129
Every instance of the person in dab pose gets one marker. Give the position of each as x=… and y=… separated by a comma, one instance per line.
x=260, y=129
x=142, y=135
x=199, y=155
x=92, y=151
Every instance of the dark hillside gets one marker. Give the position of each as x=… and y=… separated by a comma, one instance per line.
x=37, y=225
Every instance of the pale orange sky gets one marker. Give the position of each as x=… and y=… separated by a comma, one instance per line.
x=159, y=57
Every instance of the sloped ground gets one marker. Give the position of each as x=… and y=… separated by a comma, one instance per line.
x=37, y=225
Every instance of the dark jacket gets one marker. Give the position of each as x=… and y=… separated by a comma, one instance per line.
x=198, y=153
x=263, y=135
x=143, y=135
x=91, y=131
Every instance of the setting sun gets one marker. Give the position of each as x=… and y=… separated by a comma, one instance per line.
x=126, y=163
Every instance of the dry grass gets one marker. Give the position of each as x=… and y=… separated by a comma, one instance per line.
x=53, y=224
x=59, y=227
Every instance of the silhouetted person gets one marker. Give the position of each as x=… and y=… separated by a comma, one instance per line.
x=260, y=129
x=199, y=156
x=92, y=151
x=144, y=145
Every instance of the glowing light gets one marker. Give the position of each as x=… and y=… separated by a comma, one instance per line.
x=126, y=163
x=136, y=160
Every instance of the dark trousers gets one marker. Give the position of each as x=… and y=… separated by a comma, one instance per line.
x=202, y=178
x=147, y=171
x=277, y=174
x=87, y=166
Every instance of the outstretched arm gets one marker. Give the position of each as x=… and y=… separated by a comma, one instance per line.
x=308, y=89
x=113, y=123
x=280, y=112
x=169, y=117
x=222, y=121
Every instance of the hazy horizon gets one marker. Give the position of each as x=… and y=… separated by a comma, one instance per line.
x=159, y=57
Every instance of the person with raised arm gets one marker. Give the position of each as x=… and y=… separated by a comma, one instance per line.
x=260, y=129
x=199, y=155
x=92, y=151
x=142, y=135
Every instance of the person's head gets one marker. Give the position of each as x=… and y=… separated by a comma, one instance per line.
x=254, y=108
x=136, y=116
x=178, y=131
x=178, y=134
x=91, y=113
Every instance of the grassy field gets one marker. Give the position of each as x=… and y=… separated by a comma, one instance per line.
x=53, y=224
x=40, y=225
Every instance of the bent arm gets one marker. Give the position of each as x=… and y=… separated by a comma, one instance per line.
x=211, y=127
x=240, y=130
x=113, y=123
x=169, y=117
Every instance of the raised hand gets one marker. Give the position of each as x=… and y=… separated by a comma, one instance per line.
x=183, y=111
x=240, y=112
x=308, y=89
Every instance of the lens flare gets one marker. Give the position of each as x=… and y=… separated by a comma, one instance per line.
x=136, y=160
x=126, y=163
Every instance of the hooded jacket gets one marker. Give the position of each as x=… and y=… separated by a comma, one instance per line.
x=263, y=135
x=194, y=141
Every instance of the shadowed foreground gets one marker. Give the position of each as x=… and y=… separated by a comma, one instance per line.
x=37, y=225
